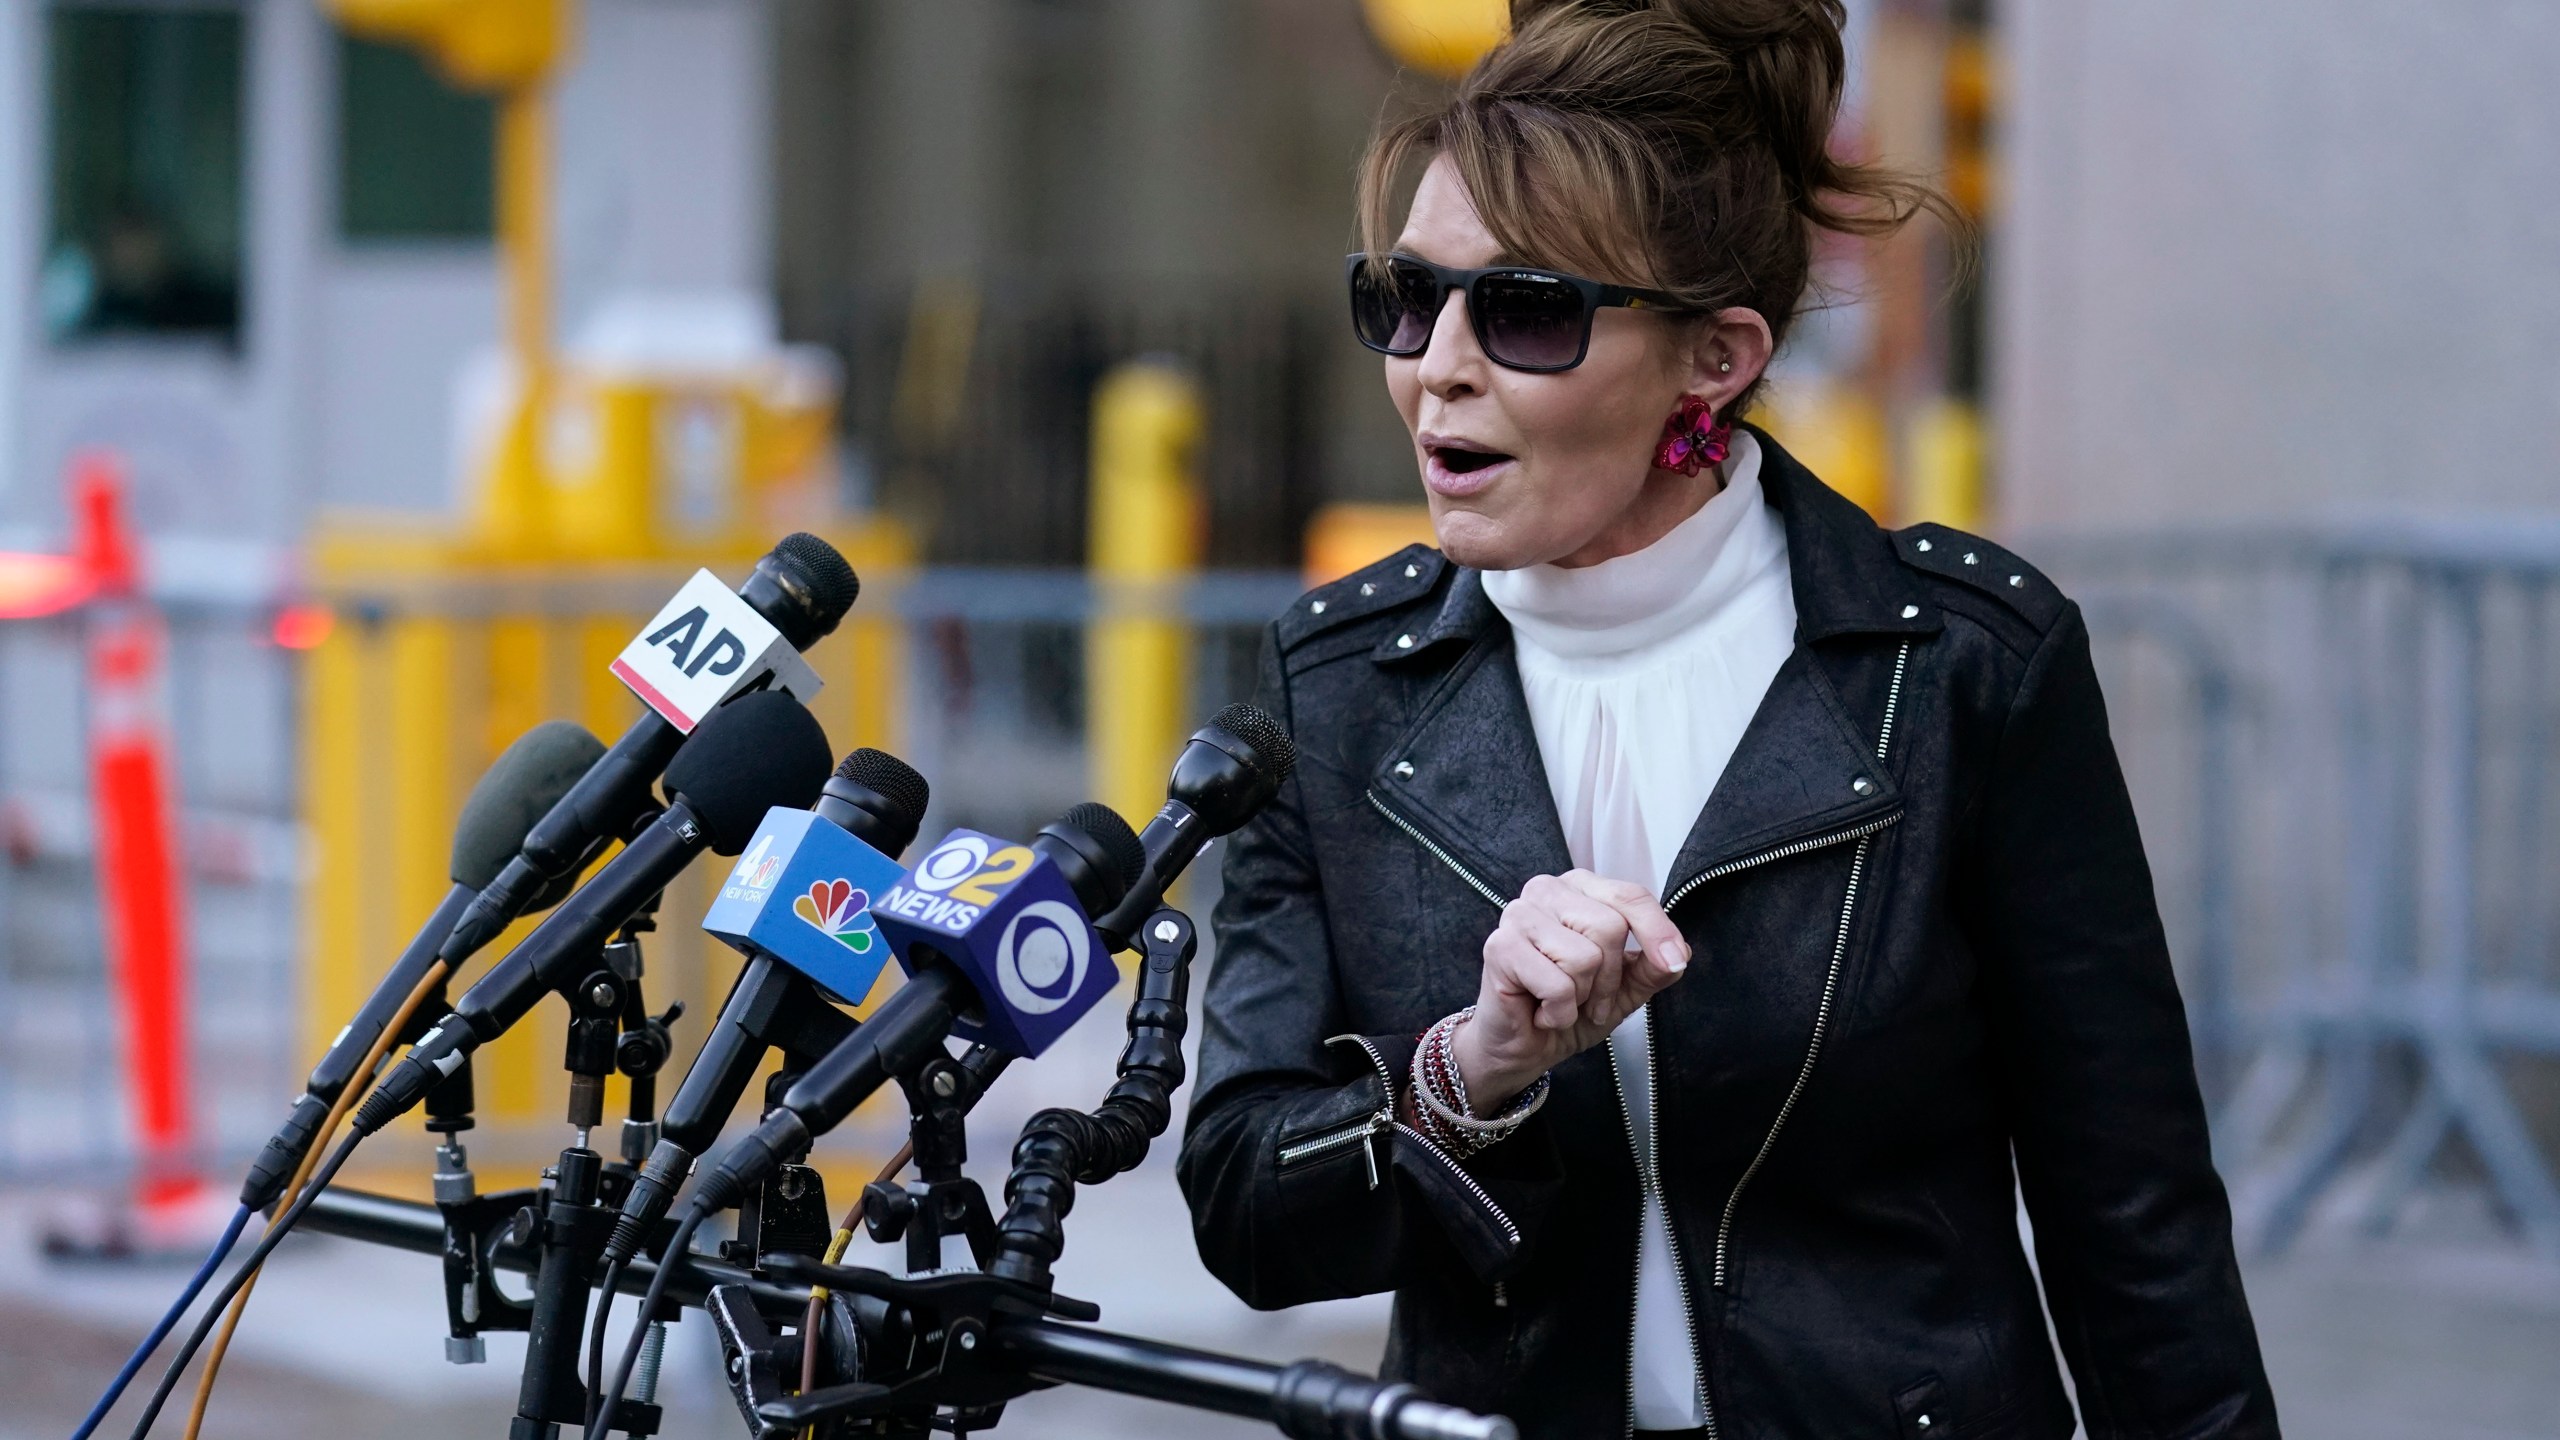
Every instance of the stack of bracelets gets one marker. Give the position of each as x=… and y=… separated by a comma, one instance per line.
x=1440, y=1096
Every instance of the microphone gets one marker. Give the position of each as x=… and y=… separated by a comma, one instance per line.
x=519, y=787
x=990, y=934
x=756, y=752
x=1227, y=772
x=682, y=667
x=865, y=817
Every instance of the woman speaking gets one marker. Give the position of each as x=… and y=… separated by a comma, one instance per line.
x=1698, y=913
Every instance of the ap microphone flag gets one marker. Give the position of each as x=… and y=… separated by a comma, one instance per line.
x=803, y=893
x=1006, y=917
x=706, y=645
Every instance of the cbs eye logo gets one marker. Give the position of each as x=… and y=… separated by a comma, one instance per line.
x=1042, y=959
x=967, y=869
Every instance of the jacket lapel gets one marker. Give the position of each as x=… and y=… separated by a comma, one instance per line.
x=1800, y=772
x=1467, y=776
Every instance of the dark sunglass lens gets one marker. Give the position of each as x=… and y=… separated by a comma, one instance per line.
x=1529, y=321
x=1393, y=314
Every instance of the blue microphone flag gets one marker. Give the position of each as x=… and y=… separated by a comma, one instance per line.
x=803, y=892
x=1010, y=922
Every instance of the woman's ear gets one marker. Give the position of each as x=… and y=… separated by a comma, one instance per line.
x=1728, y=351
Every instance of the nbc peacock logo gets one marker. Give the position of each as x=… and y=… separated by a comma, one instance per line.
x=841, y=912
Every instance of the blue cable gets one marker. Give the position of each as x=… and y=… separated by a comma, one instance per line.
x=168, y=1322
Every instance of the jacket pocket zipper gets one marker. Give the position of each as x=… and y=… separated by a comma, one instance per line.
x=1359, y=1132
x=1384, y=1120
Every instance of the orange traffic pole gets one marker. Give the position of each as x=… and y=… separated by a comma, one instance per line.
x=140, y=886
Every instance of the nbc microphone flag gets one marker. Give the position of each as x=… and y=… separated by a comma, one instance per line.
x=801, y=893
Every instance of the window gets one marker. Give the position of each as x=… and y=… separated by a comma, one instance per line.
x=414, y=153
x=143, y=129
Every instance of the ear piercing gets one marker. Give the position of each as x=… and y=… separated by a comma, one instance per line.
x=1725, y=366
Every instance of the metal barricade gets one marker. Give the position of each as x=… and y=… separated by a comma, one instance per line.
x=319, y=789
x=2340, y=742
x=63, y=1112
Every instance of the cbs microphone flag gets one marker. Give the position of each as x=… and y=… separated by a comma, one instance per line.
x=706, y=645
x=1010, y=922
x=802, y=893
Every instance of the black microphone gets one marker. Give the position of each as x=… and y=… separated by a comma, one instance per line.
x=803, y=587
x=1229, y=770
x=1093, y=849
x=750, y=755
x=879, y=800
x=518, y=788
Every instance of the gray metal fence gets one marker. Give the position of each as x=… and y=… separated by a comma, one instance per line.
x=63, y=1111
x=2339, y=742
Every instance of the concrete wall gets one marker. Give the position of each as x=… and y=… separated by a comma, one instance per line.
x=2276, y=258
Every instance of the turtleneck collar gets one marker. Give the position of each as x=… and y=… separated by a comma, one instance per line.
x=1634, y=601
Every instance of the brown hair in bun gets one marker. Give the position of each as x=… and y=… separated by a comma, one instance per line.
x=1681, y=145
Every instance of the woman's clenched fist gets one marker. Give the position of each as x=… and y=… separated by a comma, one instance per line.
x=1574, y=956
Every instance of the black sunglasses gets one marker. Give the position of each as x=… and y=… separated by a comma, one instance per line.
x=1525, y=319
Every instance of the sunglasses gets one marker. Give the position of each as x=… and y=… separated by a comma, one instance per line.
x=1525, y=319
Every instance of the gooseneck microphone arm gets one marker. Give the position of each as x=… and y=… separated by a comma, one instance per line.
x=1060, y=1147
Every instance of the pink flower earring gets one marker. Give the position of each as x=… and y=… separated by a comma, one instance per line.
x=1692, y=438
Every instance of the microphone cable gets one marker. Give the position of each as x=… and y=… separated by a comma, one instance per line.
x=346, y=1101
x=679, y=1246
x=266, y=1246
x=836, y=1246
x=168, y=1322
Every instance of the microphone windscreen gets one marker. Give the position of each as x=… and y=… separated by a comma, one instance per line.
x=1255, y=727
x=893, y=779
x=1128, y=857
x=517, y=790
x=760, y=750
x=821, y=570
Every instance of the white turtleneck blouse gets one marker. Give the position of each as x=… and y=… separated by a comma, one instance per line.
x=1641, y=673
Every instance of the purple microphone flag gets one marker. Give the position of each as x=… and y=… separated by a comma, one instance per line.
x=1011, y=923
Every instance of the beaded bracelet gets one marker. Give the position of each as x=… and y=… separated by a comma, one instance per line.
x=1441, y=1093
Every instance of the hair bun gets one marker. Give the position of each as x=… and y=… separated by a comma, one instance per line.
x=1788, y=55
x=1681, y=145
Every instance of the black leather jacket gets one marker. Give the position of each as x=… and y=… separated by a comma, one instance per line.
x=1927, y=943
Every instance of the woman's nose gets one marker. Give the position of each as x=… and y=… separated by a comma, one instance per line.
x=1452, y=364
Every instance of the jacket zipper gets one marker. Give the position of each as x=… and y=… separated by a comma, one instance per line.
x=1384, y=1119
x=1830, y=979
x=1862, y=833
x=1427, y=843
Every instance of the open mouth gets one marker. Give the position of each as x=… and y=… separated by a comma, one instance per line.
x=1465, y=462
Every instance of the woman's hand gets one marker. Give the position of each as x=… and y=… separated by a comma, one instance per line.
x=1559, y=975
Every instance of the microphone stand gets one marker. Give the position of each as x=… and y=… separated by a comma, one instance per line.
x=903, y=1355
x=559, y=1226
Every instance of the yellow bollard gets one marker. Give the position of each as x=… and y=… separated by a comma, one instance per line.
x=1148, y=534
x=1945, y=450
x=1838, y=432
x=1441, y=37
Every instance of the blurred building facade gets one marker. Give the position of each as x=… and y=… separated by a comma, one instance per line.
x=254, y=255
